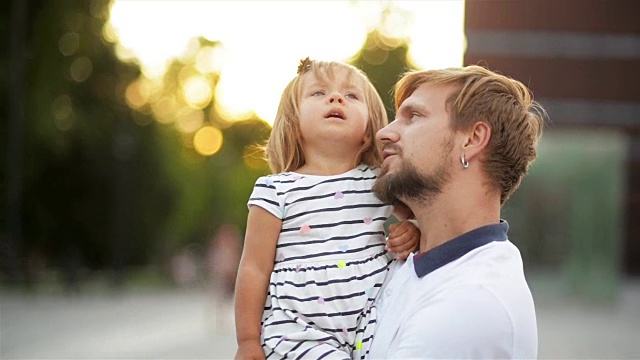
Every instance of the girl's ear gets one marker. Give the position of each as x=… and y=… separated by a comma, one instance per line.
x=477, y=139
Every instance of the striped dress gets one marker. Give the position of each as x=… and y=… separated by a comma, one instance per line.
x=330, y=263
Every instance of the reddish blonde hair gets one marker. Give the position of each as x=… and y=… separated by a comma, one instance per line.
x=283, y=150
x=506, y=104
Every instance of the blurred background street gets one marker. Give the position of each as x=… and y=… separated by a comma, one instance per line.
x=192, y=324
x=155, y=325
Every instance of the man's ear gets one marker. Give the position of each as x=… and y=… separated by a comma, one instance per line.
x=477, y=139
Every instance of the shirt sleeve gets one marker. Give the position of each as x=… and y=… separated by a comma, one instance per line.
x=466, y=323
x=265, y=195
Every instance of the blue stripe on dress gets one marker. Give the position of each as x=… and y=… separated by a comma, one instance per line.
x=328, y=195
x=325, y=267
x=328, y=282
x=333, y=209
x=329, y=253
x=332, y=180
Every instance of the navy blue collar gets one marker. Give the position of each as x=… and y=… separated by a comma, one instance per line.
x=454, y=249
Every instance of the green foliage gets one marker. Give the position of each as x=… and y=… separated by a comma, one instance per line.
x=86, y=163
x=384, y=60
x=212, y=190
x=111, y=185
x=209, y=190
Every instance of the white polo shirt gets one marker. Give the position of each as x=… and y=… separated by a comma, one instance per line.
x=465, y=299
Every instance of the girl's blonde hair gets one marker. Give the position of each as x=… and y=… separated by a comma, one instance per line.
x=283, y=150
x=507, y=105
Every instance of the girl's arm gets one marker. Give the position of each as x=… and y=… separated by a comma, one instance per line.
x=254, y=273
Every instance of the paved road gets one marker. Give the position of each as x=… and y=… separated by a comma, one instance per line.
x=189, y=325
x=575, y=329
x=166, y=325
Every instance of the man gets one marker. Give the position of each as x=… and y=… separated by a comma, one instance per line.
x=462, y=140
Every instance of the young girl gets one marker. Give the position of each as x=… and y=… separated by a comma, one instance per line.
x=314, y=254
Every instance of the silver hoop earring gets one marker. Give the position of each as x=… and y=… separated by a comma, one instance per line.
x=465, y=163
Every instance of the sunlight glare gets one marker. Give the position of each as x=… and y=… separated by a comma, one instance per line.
x=209, y=60
x=197, y=92
x=262, y=41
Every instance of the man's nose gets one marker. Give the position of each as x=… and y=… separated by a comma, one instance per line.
x=388, y=134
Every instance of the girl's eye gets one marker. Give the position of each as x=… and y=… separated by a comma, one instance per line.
x=317, y=93
x=352, y=96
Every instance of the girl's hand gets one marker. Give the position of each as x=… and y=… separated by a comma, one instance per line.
x=250, y=350
x=404, y=238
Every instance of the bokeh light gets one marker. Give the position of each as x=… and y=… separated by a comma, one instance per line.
x=81, y=68
x=164, y=109
x=62, y=109
x=136, y=95
x=69, y=43
x=189, y=120
x=197, y=92
x=207, y=141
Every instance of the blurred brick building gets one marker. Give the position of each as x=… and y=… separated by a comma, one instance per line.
x=581, y=58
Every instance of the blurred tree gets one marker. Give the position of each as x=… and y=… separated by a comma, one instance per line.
x=15, y=23
x=120, y=169
x=85, y=161
x=211, y=189
x=384, y=59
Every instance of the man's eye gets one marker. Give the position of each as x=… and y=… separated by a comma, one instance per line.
x=413, y=116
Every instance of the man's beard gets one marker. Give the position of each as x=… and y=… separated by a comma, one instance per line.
x=406, y=184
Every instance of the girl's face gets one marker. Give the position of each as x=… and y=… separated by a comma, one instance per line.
x=333, y=110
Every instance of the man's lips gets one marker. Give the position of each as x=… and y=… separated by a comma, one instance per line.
x=390, y=151
x=386, y=155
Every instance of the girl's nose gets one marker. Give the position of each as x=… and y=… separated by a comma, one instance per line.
x=335, y=97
